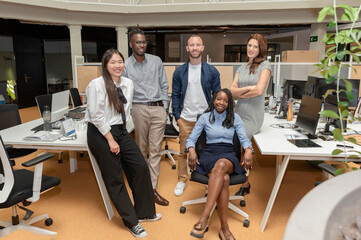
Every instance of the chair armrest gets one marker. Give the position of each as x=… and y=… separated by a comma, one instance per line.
x=328, y=168
x=38, y=159
x=8, y=146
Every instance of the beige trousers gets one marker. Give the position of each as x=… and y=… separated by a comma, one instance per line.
x=185, y=129
x=149, y=125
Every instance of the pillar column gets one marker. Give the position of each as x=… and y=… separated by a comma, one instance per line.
x=75, y=48
x=319, y=30
x=122, y=41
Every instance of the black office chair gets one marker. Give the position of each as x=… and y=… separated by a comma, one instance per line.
x=42, y=101
x=75, y=97
x=234, y=179
x=23, y=186
x=170, y=132
x=10, y=117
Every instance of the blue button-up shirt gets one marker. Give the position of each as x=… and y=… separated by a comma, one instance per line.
x=216, y=133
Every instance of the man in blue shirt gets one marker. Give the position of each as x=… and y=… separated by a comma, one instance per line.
x=189, y=81
x=149, y=102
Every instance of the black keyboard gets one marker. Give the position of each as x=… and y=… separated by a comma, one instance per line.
x=75, y=115
x=78, y=109
x=41, y=126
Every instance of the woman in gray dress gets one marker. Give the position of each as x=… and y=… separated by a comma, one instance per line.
x=249, y=84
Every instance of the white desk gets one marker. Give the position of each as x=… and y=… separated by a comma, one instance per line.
x=15, y=136
x=272, y=141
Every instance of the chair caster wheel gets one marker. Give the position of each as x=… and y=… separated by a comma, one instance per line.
x=246, y=223
x=48, y=221
x=182, y=209
x=174, y=166
x=60, y=161
x=242, y=203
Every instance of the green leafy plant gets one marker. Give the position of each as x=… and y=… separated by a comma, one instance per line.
x=331, y=64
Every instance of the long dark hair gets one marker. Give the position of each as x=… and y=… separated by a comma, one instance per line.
x=229, y=121
x=109, y=83
x=262, y=45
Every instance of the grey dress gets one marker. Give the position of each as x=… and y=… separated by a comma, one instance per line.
x=251, y=110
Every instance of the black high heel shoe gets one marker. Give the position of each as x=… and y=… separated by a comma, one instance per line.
x=243, y=190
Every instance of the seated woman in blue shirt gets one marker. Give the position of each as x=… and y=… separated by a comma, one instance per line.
x=218, y=160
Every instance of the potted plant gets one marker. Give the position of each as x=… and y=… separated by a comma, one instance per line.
x=330, y=68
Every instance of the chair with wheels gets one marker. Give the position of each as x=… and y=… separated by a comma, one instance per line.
x=42, y=101
x=10, y=117
x=75, y=97
x=24, y=186
x=234, y=179
x=171, y=131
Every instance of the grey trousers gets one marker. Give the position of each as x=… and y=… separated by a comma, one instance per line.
x=149, y=125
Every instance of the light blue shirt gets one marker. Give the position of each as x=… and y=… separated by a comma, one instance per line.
x=216, y=133
x=149, y=78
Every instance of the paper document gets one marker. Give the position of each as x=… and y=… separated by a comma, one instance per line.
x=43, y=136
x=296, y=136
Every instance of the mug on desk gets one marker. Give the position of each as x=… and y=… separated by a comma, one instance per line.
x=80, y=125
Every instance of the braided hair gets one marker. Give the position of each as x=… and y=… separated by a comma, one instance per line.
x=134, y=31
x=229, y=121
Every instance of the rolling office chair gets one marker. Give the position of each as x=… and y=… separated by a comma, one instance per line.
x=170, y=132
x=234, y=179
x=42, y=101
x=10, y=117
x=23, y=186
x=75, y=97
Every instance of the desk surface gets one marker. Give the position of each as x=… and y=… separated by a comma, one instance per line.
x=15, y=136
x=273, y=141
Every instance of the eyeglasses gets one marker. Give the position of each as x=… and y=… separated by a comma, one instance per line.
x=141, y=42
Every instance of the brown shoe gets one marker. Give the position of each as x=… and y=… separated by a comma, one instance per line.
x=158, y=199
x=198, y=230
x=228, y=237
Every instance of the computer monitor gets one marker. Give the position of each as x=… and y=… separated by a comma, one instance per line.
x=59, y=105
x=330, y=103
x=308, y=116
x=310, y=86
x=295, y=88
x=317, y=87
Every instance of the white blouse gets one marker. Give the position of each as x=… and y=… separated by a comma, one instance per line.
x=99, y=112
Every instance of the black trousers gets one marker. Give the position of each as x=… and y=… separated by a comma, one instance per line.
x=131, y=161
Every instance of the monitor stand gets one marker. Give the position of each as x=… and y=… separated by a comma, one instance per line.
x=327, y=131
x=310, y=136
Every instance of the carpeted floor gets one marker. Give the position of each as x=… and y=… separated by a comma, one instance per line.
x=78, y=211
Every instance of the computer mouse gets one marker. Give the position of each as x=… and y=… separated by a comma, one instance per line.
x=56, y=125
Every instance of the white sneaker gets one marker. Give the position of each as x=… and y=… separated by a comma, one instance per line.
x=179, y=189
x=154, y=218
x=138, y=231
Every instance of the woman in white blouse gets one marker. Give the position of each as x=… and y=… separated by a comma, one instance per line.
x=109, y=99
